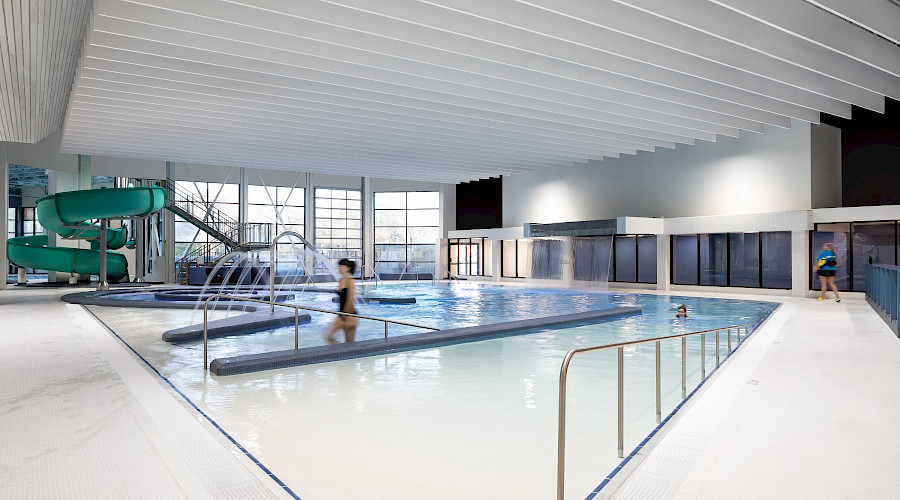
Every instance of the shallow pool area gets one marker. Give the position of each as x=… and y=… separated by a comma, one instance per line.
x=473, y=420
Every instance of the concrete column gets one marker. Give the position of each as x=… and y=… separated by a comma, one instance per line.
x=168, y=220
x=84, y=172
x=309, y=221
x=242, y=196
x=568, y=261
x=447, y=195
x=60, y=182
x=800, y=263
x=368, y=226
x=663, y=271
x=4, y=199
x=497, y=250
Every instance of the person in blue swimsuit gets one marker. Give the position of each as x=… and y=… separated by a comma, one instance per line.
x=826, y=266
x=347, y=298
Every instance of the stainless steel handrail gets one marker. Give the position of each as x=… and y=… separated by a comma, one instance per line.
x=620, y=346
x=272, y=266
x=296, y=319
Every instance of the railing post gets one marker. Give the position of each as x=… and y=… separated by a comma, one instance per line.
x=729, y=341
x=296, y=328
x=621, y=405
x=717, y=347
x=205, y=330
x=683, y=367
x=385, y=330
x=658, y=385
x=561, y=429
x=703, y=356
x=896, y=287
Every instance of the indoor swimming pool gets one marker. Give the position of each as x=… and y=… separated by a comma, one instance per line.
x=473, y=420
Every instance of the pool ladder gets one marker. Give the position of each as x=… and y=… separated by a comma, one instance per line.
x=620, y=347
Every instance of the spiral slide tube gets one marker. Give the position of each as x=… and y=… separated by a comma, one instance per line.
x=70, y=215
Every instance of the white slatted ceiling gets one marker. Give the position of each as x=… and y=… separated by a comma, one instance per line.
x=455, y=90
x=39, y=44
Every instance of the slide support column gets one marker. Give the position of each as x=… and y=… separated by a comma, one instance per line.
x=102, y=283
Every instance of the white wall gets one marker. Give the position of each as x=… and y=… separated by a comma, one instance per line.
x=128, y=167
x=754, y=173
x=825, y=175
x=44, y=154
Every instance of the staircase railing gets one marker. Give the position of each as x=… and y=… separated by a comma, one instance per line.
x=203, y=252
x=203, y=215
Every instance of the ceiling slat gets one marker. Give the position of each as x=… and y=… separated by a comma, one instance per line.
x=455, y=90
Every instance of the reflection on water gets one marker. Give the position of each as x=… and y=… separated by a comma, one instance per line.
x=475, y=418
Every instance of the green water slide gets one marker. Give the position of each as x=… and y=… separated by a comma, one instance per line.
x=72, y=215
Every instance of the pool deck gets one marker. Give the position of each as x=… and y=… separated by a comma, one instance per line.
x=82, y=417
x=805, y=410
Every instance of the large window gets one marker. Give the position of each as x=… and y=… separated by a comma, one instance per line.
x=514, y=258
x=407, y=227
x=11, y=222
x=755, y=260
x=856, y=244
x=226, y=200
x=339, y=223
x=283, y=208
x=30, y=223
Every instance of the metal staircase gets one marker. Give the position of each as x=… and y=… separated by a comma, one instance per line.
x=230, y=235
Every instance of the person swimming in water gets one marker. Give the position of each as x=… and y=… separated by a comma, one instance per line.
x=681, y=313
x=347, y=298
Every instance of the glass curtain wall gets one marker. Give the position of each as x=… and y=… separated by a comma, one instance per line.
x=514, y=258
x=873, y=243
x=338, y=219
x=626, y=258
x=754, y=260
x=284, y=209
x=227, y=202
x=407, y=227
x=839, y=234
x=776, y=259
x=856, y=244
x=714, y=259
x=744, y=259
x=646, y=259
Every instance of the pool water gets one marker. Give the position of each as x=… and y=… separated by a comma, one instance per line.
x=473, y=420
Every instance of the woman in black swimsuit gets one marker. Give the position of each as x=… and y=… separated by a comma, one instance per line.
x=347, y=294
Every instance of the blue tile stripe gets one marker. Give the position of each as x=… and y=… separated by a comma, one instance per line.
x=647, y=439
x=249, y=455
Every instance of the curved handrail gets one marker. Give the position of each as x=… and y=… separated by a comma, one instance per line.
x=296, y=323
x=374, y=273
x=620, y=346
x=272, y=247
